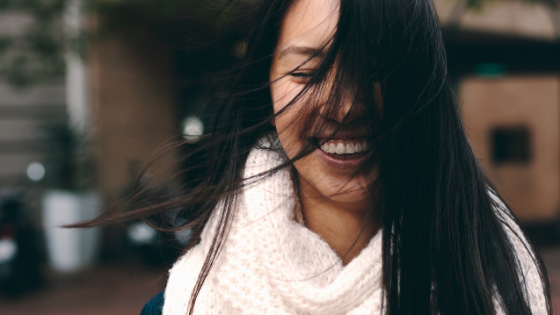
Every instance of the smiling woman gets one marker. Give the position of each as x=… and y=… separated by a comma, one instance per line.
x=337, y=139
x=337, y=178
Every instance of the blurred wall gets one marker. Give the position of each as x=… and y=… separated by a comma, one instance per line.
x=134, y=105
x=513, y=17
x=503, y=58
x=23, y=112
x=514, y=126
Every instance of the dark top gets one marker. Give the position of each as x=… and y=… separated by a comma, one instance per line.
x=154, y=306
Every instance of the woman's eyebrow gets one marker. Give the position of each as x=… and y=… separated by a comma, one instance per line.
x=302, y=50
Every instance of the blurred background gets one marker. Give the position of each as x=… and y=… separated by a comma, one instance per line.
x=90, y=89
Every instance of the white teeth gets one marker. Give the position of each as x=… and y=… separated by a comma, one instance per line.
x=340, y=148
x=358, y=147
x=343, y=147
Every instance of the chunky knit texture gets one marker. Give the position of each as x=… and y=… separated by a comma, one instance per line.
x=270, y=264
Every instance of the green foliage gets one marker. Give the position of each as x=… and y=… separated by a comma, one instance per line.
x=4, y=44
x=69, y=159
x=479, y=4
x=38, y=56
x=42, y=10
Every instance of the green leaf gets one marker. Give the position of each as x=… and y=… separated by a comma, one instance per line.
x=17, y=72
x=5, y=44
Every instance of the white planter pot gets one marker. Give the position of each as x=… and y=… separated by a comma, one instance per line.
x=70, y=250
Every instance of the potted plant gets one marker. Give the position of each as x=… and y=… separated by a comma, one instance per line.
x=70, y=170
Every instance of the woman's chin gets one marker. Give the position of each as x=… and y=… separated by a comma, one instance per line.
x=337, y=189
x=351, y=199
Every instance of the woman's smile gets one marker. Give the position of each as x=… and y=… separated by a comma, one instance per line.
x=341, y=161
x=342, y=153
x=344, y=147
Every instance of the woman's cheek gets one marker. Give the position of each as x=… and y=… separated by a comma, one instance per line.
x=283, y=92
x=289, y=133
x=289, y=123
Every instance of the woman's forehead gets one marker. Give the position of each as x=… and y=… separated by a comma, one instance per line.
x=309, y=24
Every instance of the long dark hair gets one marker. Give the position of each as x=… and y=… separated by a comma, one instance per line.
x=445, y=251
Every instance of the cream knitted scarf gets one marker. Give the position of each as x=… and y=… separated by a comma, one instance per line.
x=271, y=264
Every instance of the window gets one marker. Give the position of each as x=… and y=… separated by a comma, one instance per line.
x=511, y=145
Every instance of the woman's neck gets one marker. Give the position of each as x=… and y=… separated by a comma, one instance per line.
x=339, y=224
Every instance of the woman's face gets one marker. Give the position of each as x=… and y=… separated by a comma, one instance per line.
x=327, y=172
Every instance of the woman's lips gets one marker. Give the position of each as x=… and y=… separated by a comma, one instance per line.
x=345, y=154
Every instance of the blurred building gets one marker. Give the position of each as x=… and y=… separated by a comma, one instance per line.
x=145, y=87
x=504, y=60
x=514, y=125
x=22, y=115
x=143, y=84
x=135, y=106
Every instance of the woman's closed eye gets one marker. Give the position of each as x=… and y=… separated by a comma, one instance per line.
x=301, y=76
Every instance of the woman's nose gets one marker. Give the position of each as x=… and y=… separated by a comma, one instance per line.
x=341, y=108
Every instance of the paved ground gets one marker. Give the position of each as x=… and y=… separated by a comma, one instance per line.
x=107, y=290
x=123, y=290
x=551, y=257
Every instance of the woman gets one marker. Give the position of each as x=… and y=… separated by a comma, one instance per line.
x=339, y=179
